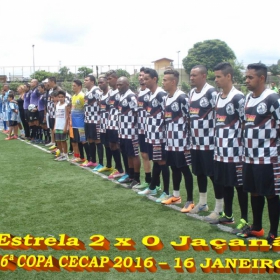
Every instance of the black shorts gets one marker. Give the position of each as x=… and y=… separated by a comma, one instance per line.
x=178, y=159
x=202, y=162
x=33, y=116
x=130, y=147
x=228, y=174
x=13, y=123
x=92, y=131
x=113, y=136
x=26, y=115
x=142, y=144
x=41, y=117
x=51, y=123
x=156, y=151
x=261, y=179
x=104, y=137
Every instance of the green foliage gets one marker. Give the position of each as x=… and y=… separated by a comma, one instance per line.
x=185, y=87
x=210, y=75
x=14, y=85
x=238, y=76
x=208, y=53
x=83, y=72
x=274, y=69
x=41, y=75
x=67, y=86
x=65, y=75
x=122, y=73
x=134, y=83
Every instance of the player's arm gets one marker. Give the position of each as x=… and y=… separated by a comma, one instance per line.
x=67, y=114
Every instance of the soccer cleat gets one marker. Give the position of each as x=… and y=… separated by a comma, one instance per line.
x=142, y=186
x=52, y=147
x=242, y=225
x=213, y=218
x=84, y=164
x=70, y=153
x=172, y=200
x=188, y=207
x=163, y=196
x=50, y=144
x=9, y=138
x=249, y=232
x=15, y=137
x=198, y=208
x=124, y=178
x=96, y=168
x=104, y=169
x=147, y=191
x=63, y=158
x=57, y=158
x=224, y=220
x=57, y=153
x=270, y=239
x=88, y=164
x=115, y=174
x=133, y=184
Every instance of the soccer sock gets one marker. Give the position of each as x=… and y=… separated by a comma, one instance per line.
x=46, y=135
x=31, y=131
x=131, y=173
x=41, y=133
x=93, y=153
x=100, y=152
x=86, y=147
x=166, y=177
x=37, y=131
x=243, y=202
x=202, y=183
x=117, y=158
x=202, y=198
x=273, y=212
x=148, y=177
x=108, y=157
x=228, y=199
x=137, y=176
x=91, y=150
x=219, y=205
x=76, y=155
x=155, y=176
x=176, y=178
x=176, y=193
x=188, y=182
x=81, y=149
x=257, y=203
x=125, y=162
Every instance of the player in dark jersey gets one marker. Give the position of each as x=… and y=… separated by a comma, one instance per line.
x=177, y=139
x=128, y=134
x=261, y=158
x=229, y=117
x=202, y=103
x=34, y=115
x=155, y=135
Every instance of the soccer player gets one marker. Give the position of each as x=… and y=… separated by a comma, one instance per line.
x=128, y=129
x=113, y=128
x=261, y=141
x=229, y=116
x=12, y=113
x=34, y=114
x=26, y=102
x=202, y=103
x=92, y=122
x=104, y=114
x=42, y=117
x=156, y=136
x=6, y=91
x=143, y=101
x=177, y=139
x=61, y=125
x=77, y=119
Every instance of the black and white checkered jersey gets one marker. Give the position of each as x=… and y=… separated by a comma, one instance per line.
x=155, y=125
x=91, y=106
x=114, y=98
x=143, y=101
x=51, y=109
x=262, y=115
x=127, y=113
x=104, y=108
x=229, y=113
x=202, y=106
x=176, y=118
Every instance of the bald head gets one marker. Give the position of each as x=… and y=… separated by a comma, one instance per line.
x=123, y=85
x=34, y=83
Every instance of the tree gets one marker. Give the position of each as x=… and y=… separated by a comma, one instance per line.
x=65, y=75
x=122, y=73
x=83, y=72
x=41, y=75
x=274, y=69
x=208, y=53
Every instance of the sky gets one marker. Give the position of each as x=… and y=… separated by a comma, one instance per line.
x=113, y=33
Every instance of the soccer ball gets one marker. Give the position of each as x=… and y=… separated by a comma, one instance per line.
x=31, y=107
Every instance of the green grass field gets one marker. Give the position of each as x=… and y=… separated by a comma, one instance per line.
x=45, y=198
